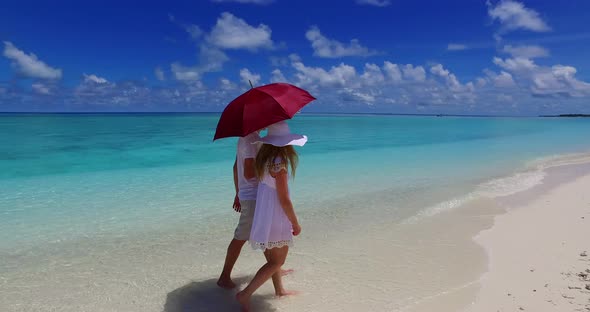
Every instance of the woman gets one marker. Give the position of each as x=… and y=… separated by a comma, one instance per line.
x=275, y=221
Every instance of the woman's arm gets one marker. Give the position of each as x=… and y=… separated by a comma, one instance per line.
x=282, y=183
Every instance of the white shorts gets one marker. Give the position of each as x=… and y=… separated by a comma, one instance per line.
x=246, y=216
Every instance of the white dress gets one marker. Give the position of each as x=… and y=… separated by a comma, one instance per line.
x=270, y=228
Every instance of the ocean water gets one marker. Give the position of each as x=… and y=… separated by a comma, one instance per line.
x=72, y=178
x=87, y=173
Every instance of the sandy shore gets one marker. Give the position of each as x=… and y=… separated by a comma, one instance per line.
x=539, y=254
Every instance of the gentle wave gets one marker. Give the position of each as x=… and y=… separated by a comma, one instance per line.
x=533, y=175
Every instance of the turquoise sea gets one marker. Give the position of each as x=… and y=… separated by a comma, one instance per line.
x=69, y=175
x=132, y=212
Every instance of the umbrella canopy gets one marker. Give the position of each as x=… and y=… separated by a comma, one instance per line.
x=261, y=107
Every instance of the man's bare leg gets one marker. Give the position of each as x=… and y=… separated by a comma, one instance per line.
x=233, y=252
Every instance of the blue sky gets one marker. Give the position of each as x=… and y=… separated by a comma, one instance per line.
x=374, y=56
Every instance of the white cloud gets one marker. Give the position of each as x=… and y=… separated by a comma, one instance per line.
x=94, y=79
x=378, y=87
x=372, y=75
x=338, y=76
x=193, y=30
x=502, y=80
x=456, y=47
x=29, y=65
x=329, y=48
x=449, y=78
x=439, y=70
x=277, y=61
x=356, y=95
x=211, y=59
x=559, y=80
x=480, y=82
x=513, y=15
x=40, y=88
x=277, y=76
x=455, y=90
x=159, y=74
x=226, y=84
x=294, y=57
x=526, y=51
x=516, y=65
x=249, y=77
x=132, y=96
x=505, y=97
x=101, y=92
x=245, y=1
x=414, y=73
x=185, y=73
x=379, y=3
x=391, y=83
x=392, y=71
x=231, y=32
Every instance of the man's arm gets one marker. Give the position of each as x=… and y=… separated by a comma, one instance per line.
x=237, y=207
x=236, y=175
x=249, y=168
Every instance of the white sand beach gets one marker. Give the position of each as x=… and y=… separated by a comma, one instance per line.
x=539, y=254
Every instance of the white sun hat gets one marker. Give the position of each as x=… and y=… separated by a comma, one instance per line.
x=279, y=135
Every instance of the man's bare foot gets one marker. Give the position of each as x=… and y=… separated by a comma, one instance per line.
x=286, y=272
x=284, y=293
x=226, y=283
x=244, y=301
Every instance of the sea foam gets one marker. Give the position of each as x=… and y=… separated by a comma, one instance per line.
x=533, y=174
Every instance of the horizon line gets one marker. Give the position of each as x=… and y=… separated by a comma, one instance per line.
x=302, y=113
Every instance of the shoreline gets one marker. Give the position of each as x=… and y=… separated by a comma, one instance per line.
x=430, y=264
x=474, y=295
x=536, y=249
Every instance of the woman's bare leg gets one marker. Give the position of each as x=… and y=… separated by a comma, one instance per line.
x=277, y=280
x=276, y=259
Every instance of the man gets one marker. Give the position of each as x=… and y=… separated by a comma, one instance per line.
x=246, y=185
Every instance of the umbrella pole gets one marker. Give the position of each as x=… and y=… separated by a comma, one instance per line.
x=251, y=86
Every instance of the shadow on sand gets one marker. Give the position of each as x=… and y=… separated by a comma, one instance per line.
x=206, y=296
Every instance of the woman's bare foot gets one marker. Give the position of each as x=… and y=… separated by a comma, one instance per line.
x=286, y=272
x=284, y=293
x=244, y=301
x=226, y=283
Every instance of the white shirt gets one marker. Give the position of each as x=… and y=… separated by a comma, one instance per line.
x=247, y=188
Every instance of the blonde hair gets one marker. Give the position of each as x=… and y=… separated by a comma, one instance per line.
x=268, y=153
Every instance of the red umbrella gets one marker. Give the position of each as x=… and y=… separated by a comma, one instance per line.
x=261, y=107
